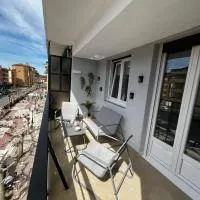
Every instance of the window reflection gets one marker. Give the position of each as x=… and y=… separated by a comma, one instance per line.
x=116, y=80
x=125, y=80
x=192, y=148
x=171, y=96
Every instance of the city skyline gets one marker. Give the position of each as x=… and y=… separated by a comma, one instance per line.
x=22, y=34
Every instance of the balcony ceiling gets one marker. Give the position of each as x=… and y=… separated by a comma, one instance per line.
x=105, y=28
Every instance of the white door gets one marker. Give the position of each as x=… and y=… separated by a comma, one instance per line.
x=175, y=129
x=188, y=166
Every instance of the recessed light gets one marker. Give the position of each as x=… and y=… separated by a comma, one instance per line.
x=97, y=57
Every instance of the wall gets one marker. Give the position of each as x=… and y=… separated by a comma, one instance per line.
x=135, y=111
x=84, y=66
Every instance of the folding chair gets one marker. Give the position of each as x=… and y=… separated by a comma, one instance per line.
x=100, y=161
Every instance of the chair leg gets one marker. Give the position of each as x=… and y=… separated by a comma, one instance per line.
x=113, y=184
x=130, y=161
x=76, y=178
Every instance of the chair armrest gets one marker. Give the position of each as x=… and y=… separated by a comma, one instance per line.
x=94, y=159
x=96, y=111
x=102, y=126
x=110, y=137
x=56, y=112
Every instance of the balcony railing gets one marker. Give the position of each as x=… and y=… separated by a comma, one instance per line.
x=38, y=182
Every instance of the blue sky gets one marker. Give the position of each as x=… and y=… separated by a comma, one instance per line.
x=177, y=63
x=22, y=36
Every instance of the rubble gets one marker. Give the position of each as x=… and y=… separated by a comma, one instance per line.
x=18, y=144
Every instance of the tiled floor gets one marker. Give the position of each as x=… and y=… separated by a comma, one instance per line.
x=146, y=184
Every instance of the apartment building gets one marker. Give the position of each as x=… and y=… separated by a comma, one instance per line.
x=3, y=76
x=23, y=75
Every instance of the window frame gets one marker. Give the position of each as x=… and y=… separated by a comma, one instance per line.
x=112, y=75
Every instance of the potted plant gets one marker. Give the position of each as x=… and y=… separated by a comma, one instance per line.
x=88, y=105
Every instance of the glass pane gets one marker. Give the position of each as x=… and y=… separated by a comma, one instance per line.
x=65, y=83
x=116, y=79
x=125, y=80
x=56, y=99
x=55, y=82
x=66, y=65
x=192, y=148
x=171, y=96
x=55, y=64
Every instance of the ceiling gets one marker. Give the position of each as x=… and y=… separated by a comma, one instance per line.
x=66, y=19
x=99, y=29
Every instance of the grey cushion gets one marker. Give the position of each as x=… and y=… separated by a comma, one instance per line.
x=99, y=153
x=108, y=117
x=93, y=126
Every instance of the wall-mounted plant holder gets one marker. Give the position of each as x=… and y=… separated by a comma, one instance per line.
x=140, y=79
x=98, y=78
x=131, y=95
x=100, y=89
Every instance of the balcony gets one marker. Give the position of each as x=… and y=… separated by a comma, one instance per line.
x=147, y=182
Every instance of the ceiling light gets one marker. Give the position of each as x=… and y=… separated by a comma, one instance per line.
x=97, y=57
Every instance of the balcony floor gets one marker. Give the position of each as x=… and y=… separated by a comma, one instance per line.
x=146, y=184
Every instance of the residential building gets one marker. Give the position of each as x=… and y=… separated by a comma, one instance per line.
x=24, y=75
x=145, y=57
x=10, y=76
x=3, y=76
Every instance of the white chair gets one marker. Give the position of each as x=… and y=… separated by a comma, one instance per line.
x=101, y=161
x=69, y=111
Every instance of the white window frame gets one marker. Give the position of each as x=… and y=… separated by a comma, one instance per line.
x=117, y=100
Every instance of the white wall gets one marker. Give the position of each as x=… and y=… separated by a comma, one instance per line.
x=84, y=66
x=135, y=111
x=56, y=49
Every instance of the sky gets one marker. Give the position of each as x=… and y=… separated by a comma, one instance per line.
x=22, y=35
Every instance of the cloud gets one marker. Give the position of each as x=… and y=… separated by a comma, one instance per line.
x=22, y=33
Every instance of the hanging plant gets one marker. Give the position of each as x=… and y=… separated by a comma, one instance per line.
x=88, y=90
x=90, y=78
x=66, y=52
x=88, y=105
x=82, y=80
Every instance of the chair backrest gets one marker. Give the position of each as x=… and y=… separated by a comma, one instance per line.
x=69, y=111
x=109, y=117
x=123, y=146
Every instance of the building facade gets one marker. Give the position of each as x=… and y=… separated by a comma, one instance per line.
x=4, y=80
x=24, y=75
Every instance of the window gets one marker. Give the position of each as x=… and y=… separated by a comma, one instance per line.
x=119, y=78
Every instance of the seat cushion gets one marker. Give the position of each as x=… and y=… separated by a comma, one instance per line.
x=93, y=125
x=100, y=154
x=107, y=116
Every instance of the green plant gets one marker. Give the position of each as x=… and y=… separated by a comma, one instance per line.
x=90, y=78
x=67, y=52
x=88, y=90
x=82, y=80
x=88, y=105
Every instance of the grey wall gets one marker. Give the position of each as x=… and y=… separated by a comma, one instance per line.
x=134, y=114
x=84, y=66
